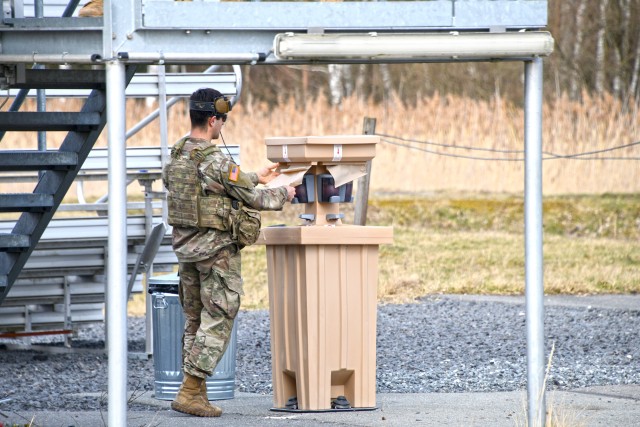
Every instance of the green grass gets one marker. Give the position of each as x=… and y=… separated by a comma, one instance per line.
x=475, y=244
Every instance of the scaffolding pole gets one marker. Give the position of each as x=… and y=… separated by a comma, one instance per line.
x=117, y=255
x=534, y=286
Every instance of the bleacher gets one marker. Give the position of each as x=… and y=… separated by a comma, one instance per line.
x=63, y=283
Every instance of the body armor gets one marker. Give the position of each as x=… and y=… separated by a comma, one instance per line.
x=188, y=205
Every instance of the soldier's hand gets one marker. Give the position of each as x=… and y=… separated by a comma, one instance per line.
x=267, y=173
x=291, y=192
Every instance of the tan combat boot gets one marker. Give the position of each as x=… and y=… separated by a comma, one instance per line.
x=203, y=392
x=190, y=400
x=93, y=8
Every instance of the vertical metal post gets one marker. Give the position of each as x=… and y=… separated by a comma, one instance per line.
x=117, y=253
x=148, y=227
x=534, y=286
x=164, y=144
x=362, y=196
x=41, y=98
x=67, y=310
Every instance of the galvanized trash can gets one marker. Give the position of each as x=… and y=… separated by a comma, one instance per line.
x=168, y=325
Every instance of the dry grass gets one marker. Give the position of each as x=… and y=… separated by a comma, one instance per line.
x=568, y=127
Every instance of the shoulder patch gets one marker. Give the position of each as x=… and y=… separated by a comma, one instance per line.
x=234, y=172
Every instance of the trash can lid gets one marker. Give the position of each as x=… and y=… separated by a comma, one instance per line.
x=167, y=283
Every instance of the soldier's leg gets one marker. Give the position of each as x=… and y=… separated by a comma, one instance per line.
x=189, y=294
x=221, y=286
x=192, y=396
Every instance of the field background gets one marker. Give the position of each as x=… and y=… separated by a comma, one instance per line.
x=458, y=222
x=569, y=127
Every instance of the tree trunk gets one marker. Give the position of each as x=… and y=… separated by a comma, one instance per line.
x=576, y=78
x=387, y=83
x=622, y=50
x=335, y=83
x=633, y=86
x=600, y=47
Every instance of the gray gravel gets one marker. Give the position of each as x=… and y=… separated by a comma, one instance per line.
x=435, y=345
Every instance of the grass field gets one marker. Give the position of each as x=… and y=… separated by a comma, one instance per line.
x=470, y=243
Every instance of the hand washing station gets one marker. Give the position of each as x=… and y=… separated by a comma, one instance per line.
x=323, y=278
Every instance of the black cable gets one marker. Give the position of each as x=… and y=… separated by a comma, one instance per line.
x=549, y=155
x=451, y=146
x=517, y=159
x=225, y=145
x=452, y=155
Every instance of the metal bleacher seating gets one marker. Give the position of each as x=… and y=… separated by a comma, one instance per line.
x=63, y=282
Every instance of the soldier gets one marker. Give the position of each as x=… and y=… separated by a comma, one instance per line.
x=214, y=210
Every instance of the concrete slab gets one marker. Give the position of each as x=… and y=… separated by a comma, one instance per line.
x=594, y=406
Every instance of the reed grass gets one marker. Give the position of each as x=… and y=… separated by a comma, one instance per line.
x=568, y=127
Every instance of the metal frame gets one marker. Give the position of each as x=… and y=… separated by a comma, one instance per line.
x=142, y=31
x=156, y=31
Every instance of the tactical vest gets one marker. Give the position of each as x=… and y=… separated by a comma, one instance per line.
x=188, y=204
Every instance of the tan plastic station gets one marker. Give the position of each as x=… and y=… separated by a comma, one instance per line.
x=323, y=278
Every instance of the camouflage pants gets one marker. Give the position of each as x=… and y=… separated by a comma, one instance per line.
x=209, y=292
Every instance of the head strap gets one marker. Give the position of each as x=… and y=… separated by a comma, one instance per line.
x=220, y=105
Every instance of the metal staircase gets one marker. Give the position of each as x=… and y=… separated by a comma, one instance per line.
x=57, y=168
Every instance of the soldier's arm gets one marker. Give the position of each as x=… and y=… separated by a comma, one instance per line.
x=240, y=186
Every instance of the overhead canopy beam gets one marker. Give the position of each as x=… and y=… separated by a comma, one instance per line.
x=190, y=32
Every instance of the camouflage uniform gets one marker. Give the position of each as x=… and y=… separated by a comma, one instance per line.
x=209, y=261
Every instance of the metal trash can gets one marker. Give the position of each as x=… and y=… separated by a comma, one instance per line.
x=168, y=326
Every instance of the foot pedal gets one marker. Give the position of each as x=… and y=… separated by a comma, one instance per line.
x=292, y=403
x=340, y=402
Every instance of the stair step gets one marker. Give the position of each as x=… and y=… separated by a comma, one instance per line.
x=49, y=121
x=61, y=79
x=26, y=202
x=53, y=23
x=14, y=242
x=30, y=160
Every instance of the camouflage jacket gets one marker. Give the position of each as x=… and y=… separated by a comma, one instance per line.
x=218, y=174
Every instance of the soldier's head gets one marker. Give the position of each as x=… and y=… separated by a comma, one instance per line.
x=205, y=104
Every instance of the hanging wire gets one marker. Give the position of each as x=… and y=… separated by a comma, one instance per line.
x=547, y=155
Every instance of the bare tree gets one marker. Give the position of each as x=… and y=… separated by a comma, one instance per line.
x=635, y=71
x=335, y=83
x=576, y=77
x=600, y=47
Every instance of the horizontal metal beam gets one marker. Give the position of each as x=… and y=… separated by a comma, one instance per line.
x=60, y=79
x=141, y=85
x=341, y=16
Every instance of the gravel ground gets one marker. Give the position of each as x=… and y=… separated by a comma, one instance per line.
x=434, y=345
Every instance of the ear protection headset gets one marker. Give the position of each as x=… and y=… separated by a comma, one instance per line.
x=220, y=105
